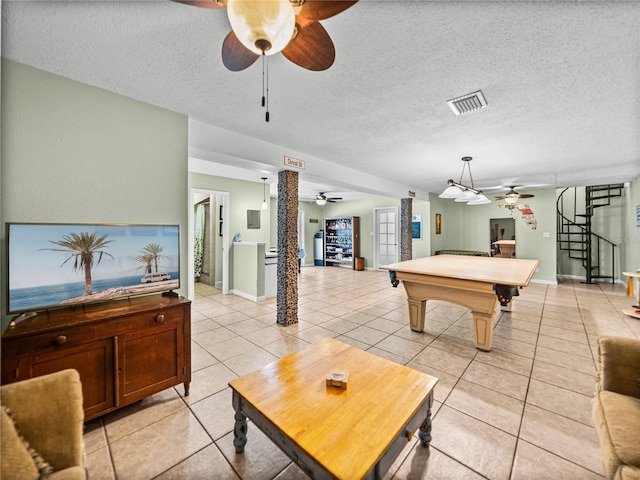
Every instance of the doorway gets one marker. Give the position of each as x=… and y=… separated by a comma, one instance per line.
x=385, y=234
x=301, y=238
x=501, y=229
x=208, y=216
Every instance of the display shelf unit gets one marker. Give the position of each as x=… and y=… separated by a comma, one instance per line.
x=341, y=241
x=124, y=350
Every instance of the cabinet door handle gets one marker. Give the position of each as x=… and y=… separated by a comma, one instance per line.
x=60, y=339
x=160, y=318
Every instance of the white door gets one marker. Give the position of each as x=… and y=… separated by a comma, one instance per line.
x=386, y=236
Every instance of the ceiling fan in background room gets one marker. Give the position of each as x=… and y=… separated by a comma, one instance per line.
x=266, y=27
x=512, y=196
x=322, y=199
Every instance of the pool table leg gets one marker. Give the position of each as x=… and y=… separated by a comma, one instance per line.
x=417, y=312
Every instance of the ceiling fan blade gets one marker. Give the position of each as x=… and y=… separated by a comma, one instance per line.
x=311, y=48
x=201, y=3
x=314, y=10
x=335, y=198
x=519, y=196
x=235, y=56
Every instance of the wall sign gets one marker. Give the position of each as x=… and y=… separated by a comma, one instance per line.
x=293, y=162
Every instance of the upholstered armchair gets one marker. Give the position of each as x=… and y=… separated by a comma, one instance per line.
x=616, y=408
x=42, y=421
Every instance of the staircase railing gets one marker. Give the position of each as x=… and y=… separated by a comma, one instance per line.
x=576, y=237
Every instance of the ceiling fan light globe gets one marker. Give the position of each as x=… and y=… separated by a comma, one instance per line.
x=511, y=198
x=321, y=201
x=264, y=27
x=451, y=192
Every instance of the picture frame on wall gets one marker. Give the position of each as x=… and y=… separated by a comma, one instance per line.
x=438, y=223
x=416, y=227
x=253, y=218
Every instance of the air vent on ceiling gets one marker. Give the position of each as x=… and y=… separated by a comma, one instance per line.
x=468, y=103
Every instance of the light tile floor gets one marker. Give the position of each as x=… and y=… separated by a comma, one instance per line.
x=521, y=411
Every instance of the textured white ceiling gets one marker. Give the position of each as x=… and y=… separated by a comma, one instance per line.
x=562, y=80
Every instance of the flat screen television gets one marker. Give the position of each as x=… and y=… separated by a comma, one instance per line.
x=58, y=265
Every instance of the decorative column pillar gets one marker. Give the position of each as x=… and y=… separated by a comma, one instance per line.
x=287, y=300
x=406, y=215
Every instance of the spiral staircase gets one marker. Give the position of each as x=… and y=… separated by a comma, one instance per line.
x=574, y=234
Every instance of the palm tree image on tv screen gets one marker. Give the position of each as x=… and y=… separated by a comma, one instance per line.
x=57, y=265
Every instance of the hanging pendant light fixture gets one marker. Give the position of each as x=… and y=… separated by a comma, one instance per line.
x=264, y=198
x=462, y=193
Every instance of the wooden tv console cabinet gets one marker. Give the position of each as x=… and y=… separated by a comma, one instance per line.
x=124, y=350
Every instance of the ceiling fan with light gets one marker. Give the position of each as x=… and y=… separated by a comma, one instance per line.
x=260, y=28
x=512, y=196
x=266, y=27
x=322, y=199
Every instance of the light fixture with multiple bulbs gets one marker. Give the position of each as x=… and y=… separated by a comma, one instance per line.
x=463, y=193
x=264, y=197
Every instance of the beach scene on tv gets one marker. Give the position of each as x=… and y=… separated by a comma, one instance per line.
x=58, y=265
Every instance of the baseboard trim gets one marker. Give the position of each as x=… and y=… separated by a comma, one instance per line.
x=242, y=294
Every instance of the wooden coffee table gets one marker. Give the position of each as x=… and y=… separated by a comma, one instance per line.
x=330, y=432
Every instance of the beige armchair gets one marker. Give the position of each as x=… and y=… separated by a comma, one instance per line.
x=616, y=407
x=47, y=413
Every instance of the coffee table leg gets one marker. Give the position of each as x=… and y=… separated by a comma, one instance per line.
x=240, y=427
x=425, y=428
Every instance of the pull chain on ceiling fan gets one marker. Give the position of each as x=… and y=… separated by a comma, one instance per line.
x=266, y=27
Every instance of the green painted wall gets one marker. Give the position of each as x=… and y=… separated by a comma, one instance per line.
x=248, y=268
x=75, y=153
